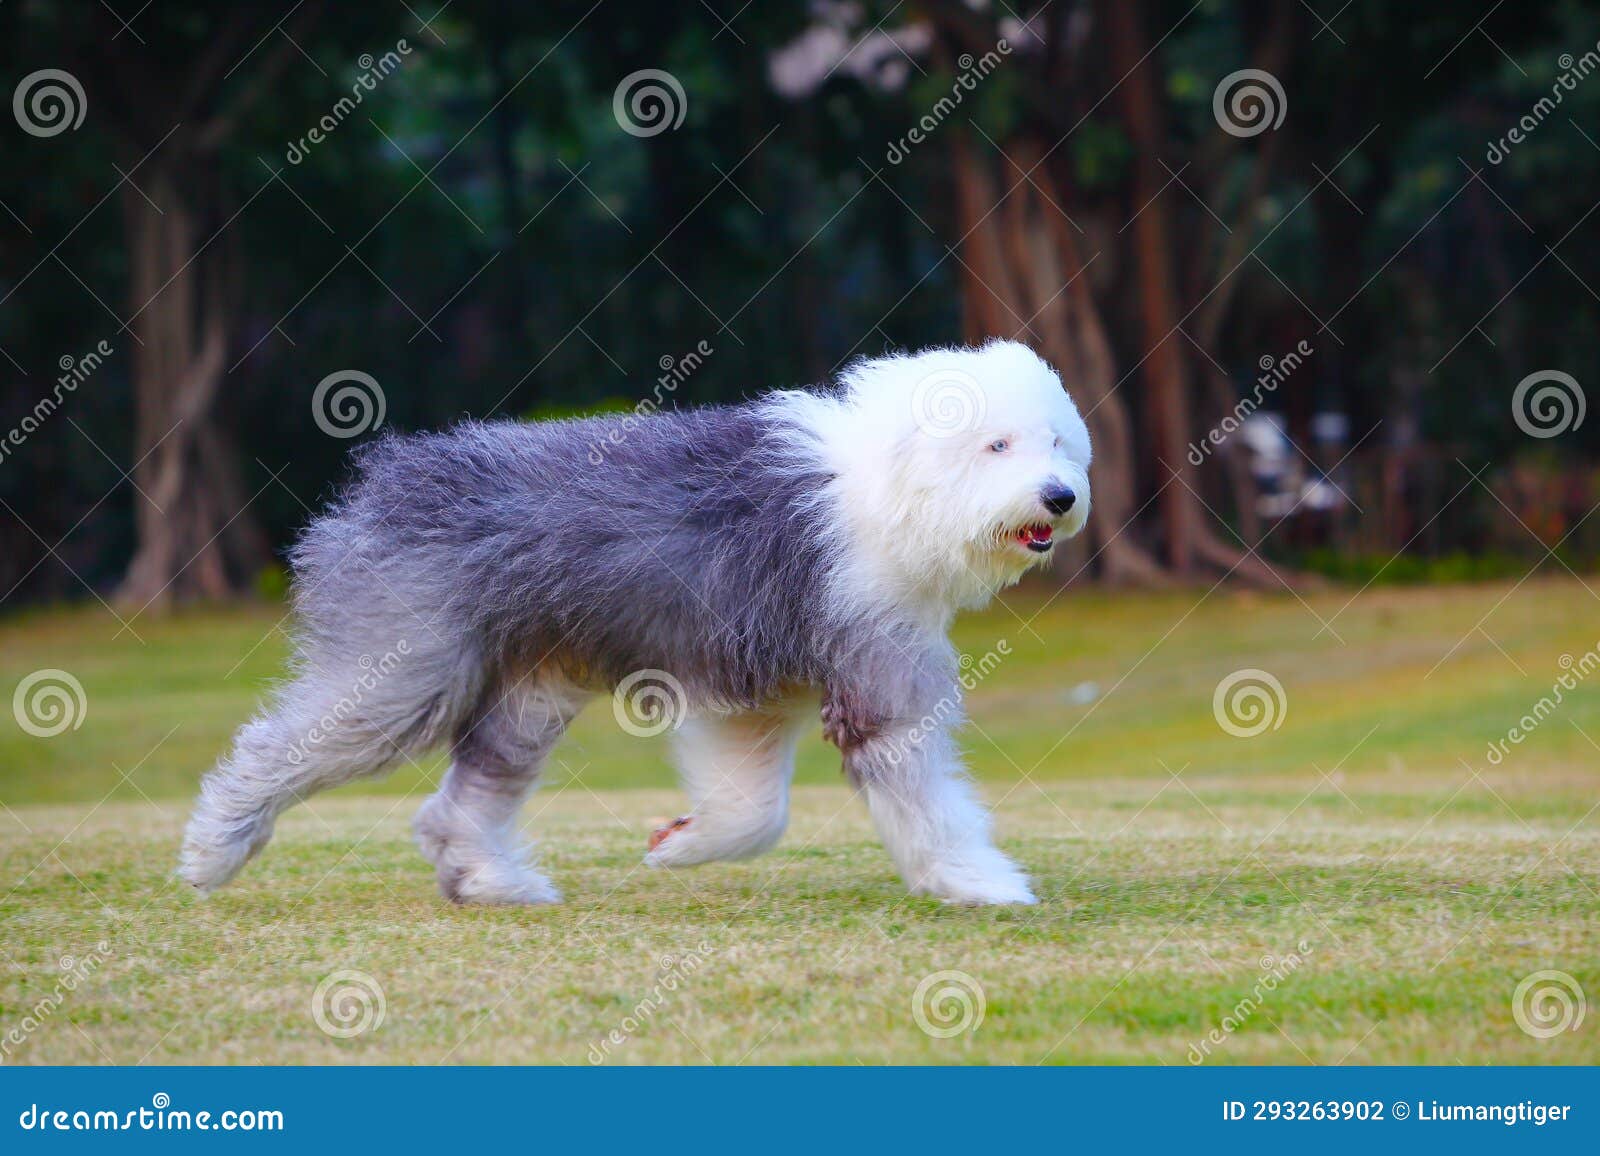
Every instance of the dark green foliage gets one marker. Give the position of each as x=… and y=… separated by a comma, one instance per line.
x=550, y=261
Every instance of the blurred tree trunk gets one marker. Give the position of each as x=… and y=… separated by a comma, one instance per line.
x=1164, y=368
x=196, y=539
x=1187, y=534
x=196, y=536
x=1024, y=278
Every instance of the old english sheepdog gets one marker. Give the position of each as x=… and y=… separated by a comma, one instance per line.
x=751, y=561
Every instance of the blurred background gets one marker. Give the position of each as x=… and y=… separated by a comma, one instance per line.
x=1321, y=275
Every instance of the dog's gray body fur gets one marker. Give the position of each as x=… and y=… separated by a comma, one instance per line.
x=508, y=539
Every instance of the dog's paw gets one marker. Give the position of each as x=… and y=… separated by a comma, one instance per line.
x=477, y=866
x=495, y=879
x=680, y=843
x=438, y=823
x=662, y=833
x=213, y=853
x=985, y=879
x=715, y=837
x=208, y=867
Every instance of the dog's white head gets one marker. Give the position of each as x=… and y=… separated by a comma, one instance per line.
x=957, y=469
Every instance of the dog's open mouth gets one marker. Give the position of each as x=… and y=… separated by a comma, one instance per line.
x=1038, y=537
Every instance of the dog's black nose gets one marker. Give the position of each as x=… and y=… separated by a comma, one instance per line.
x=1058, y=501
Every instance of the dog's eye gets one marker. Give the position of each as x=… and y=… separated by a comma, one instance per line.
x=999, y=445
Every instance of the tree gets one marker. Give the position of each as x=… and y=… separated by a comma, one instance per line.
x=176, y=105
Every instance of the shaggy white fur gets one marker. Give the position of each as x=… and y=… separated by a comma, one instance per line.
x=939, y=456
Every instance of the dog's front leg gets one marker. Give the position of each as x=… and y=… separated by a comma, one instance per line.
x=736, y=768
x=921, y=801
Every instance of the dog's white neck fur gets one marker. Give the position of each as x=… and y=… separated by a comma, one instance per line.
x=921, y=497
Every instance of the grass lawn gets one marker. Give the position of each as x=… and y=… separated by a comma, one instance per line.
x=1364, y=860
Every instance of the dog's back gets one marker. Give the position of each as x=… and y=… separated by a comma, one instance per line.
x=686, y=541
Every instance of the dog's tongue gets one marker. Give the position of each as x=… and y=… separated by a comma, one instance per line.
x=1037, y=537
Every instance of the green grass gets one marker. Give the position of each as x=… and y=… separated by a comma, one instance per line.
x=1171, y=857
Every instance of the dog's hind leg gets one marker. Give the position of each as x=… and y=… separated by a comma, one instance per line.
x=468, y=829
x=736, y=769
x=329, y=726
